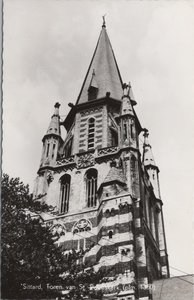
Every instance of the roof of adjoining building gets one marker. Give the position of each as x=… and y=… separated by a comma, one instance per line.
x=115, y=174
x=174, y=288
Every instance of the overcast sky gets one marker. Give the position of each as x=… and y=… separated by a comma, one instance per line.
x=48, y=45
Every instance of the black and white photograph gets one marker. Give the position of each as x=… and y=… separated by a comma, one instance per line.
x=97, y=149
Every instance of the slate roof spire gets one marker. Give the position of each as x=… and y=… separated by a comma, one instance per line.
x=107, y=75
x=54, y=126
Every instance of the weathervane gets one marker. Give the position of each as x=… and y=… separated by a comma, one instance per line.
x=104, y=22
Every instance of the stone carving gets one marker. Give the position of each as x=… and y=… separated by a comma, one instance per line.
x=85, y=160
x=107, y=151
x=90, y=111
x=49, y=177
x=81, y=225
x=65, y=160
x=58, y=229
x=63, y=168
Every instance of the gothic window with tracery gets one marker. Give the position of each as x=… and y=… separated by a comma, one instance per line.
x=114, y=137
x=58, y=229
x=64, y=193
x=91, y=133
x=91, y=187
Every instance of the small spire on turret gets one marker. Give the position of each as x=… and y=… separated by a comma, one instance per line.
x=150, y=165
x=56, y=106
x=52, y=139
x=54, y=126
x=148, y=158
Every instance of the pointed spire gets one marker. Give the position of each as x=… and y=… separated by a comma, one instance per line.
x=54, y=126
x=107, y=75
x=148, y=158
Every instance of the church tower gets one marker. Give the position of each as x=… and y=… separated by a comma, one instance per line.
x=103, y=192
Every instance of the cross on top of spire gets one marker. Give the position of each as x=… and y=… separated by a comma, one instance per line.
x=104, y=22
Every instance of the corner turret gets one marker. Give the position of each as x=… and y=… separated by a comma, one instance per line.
x=150, y=165
x=51, y=140
x=128, y=130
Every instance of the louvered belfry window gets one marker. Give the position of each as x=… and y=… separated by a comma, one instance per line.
x=91, y=133
x=64, y=193
x=91, y=187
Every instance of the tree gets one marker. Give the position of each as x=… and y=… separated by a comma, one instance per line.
x=32, y=265
x=29, y=254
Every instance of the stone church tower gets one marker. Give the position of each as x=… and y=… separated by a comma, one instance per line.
x=104, y=191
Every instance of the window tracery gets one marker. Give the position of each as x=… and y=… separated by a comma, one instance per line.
x=64, y=193
x=91, y=187
x=81, y=226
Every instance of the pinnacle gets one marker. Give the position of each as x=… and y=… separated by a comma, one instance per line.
x=54, y=126
x=148, y=158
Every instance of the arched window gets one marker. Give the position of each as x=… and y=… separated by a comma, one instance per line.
x=53, y=152
x=47, y=149
x=91, y=187
x=91, y=133
x=64, y=193
x=114, y=137
x=132, y=131
x=125, y=131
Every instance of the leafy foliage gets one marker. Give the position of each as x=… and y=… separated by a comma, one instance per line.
x=29, y=255
x=32, y=265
